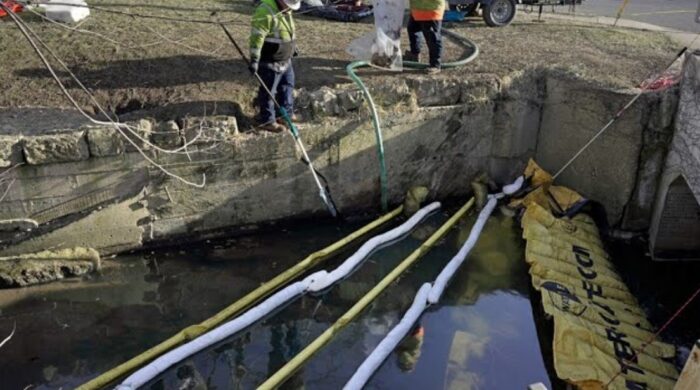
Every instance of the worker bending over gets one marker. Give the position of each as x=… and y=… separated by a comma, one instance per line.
x=272, y=47
x=426, y=19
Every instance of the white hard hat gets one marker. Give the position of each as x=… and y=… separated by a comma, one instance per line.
x=292, y=4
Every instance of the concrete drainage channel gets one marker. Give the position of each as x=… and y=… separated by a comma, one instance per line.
x=477, y=124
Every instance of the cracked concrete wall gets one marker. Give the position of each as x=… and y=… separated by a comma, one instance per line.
x=658, y=128
x=675, y=224
x=684, y=155
x=439, y=133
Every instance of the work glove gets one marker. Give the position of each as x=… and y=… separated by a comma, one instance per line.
x=253, y=67
x=296, y=51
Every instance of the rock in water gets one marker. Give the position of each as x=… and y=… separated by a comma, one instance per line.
x=481, y=190
x=414, y=197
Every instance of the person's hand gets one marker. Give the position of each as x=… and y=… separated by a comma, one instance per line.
x=296, y=51
x=253, y=67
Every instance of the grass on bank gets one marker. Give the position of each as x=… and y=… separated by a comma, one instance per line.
x=130, y=62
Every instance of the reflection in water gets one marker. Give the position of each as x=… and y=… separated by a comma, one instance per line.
x=483, y=326
x=408, y=351
x=495, y=264
x=277, y=339
x=69, y=332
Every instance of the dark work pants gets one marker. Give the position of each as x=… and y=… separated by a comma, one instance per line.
x=280, y=81
x=431, y=31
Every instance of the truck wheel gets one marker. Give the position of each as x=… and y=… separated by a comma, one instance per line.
x=499, y=13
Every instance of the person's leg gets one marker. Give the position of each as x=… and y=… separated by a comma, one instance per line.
x=433, y=36
x=414, y=35
x=264, y=102
x=285, y=90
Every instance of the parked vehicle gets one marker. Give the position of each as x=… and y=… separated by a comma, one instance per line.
x=496, y=13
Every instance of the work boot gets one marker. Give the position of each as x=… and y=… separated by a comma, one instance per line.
x=292, y=117
x=408, y=56
x=272, y=127
x=432, y=70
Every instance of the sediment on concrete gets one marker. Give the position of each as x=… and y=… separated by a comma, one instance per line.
x=439, y=133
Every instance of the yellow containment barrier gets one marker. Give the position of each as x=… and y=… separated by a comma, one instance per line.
x=302, y=357
x=600, y=332
x=237, y=307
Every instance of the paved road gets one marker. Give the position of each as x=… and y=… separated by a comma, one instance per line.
x=676, y=14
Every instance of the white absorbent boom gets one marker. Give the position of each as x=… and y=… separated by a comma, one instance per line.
x=313, y=283
x=427, y=295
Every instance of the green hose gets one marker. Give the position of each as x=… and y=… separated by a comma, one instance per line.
x=373, y=110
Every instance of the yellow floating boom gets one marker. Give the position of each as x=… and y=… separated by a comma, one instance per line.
x=249, y=299
x=300, y=359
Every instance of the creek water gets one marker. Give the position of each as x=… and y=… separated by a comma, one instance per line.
x=71, y=331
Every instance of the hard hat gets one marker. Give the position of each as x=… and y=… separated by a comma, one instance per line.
x=292, y=4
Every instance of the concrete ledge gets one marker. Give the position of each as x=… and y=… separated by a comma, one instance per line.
x=56, y=148
x=104, y=141
x=10, y=150
x=209, y=129
x=167, y=135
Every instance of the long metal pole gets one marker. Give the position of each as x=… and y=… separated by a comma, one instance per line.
x=325, y=196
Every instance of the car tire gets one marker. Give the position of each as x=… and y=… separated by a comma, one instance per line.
x=500, y=13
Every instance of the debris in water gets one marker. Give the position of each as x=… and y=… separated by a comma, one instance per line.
x=14, y=327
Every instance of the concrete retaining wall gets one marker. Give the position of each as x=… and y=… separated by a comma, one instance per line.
x=438, y=132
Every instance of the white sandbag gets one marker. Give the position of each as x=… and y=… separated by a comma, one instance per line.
x=388, y=21
x=390, y=342
x=65, y=13
x=382, y=47
x=361, y=48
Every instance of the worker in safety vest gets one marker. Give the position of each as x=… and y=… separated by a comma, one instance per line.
x=272, y=47
x=426, y=19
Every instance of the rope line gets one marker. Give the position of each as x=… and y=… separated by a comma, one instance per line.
x=643, y=89
x=28, y=33
x=111, y=122
x=658, y=332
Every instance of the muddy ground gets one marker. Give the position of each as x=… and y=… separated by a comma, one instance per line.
x=132, y=63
